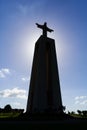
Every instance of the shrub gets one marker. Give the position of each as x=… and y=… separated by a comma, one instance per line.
x=7, y=108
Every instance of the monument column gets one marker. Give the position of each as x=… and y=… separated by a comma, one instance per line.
x=44, y=90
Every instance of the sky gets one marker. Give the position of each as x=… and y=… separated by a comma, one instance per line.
x=18, y=34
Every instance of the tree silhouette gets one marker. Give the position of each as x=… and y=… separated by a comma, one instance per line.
x=84, y=113
x=7, y=108
x=79, y=112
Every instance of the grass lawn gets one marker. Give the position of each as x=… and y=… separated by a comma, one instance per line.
x=78, y=116
x=9, y=114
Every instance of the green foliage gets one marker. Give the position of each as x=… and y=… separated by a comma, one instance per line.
x=79, y=114
x=7, y=108
x=9, y=114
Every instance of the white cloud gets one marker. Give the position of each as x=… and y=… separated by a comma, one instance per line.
x=23, y=9
x=15, y=92
x=22, y=96
x=4, y=72
x=37, y=5
x=80, y=97
x=16, y=103
x=81, y=100
x=25, y=79
x=1, y=74
x=32, y=7
x=76, y=102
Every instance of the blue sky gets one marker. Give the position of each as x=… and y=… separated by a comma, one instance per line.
x=18, y=34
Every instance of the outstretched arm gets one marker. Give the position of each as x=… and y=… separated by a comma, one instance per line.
x=38, y=25
x=50, y=30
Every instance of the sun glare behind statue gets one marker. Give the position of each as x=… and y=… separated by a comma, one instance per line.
x=24, y=51
x=62, y=50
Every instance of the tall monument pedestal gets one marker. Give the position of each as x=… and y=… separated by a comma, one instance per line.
x=44, y=90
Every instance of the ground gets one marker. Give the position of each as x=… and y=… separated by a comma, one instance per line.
x=45, y=121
